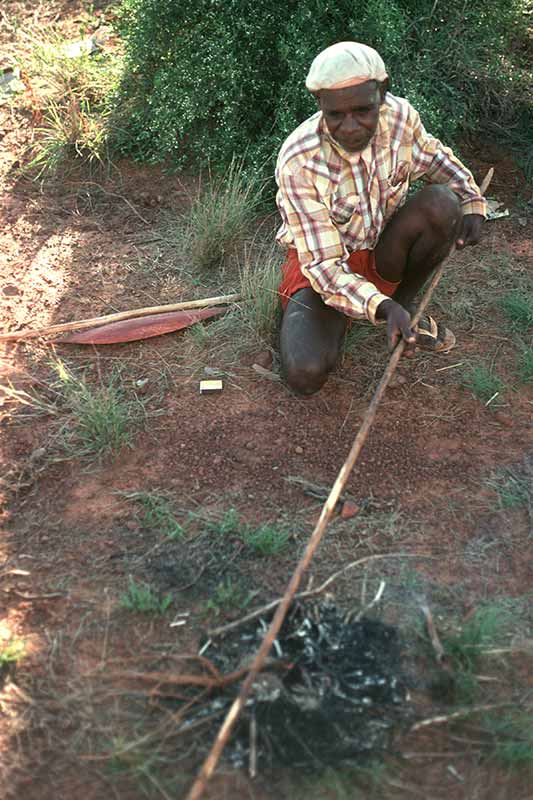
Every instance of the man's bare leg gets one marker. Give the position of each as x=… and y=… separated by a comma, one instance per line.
x=311, y=338
x=416, y=240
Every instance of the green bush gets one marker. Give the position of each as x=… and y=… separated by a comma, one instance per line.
x=209, y=79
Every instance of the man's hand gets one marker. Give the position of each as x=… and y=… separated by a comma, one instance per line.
x=470, y=231
x=398, y=325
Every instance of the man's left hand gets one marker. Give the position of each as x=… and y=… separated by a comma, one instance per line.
x=470, y=231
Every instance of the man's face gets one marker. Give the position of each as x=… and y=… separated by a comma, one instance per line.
x=352, y=114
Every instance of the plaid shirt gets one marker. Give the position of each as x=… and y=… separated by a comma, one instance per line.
x=333, y=202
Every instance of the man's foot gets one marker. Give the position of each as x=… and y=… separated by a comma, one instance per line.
x=433, y=336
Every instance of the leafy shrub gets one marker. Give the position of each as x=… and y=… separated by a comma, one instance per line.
x=209, y=79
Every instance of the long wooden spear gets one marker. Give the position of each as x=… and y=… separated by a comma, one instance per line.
x=328, y=508
x=120, y=315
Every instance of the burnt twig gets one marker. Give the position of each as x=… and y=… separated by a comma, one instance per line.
x=259, y=612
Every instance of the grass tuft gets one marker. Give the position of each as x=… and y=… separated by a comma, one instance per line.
x=77, y=116
x=229, y=596
x=517, y=307
x=99, y=422
x=464, y=647
x=140, y=597
x=512, y=734
x=158, y=514
x=260, y=275
x=266, y=540
x=220, y=216
x=524, y=362
x=512, y=489
x=482, y=380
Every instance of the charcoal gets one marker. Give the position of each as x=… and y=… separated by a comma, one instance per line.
x=333, y=691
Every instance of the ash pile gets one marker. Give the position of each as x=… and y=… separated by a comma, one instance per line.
x=333, y=690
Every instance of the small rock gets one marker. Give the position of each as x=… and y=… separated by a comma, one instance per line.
x=264, y=359
x=349, y=510
x=132, y=525
x=10, y=290
x=249, y=445
x=298, y=450
x=397, y=380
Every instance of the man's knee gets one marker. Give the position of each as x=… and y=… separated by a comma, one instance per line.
x=306, y=377
x=441, y=208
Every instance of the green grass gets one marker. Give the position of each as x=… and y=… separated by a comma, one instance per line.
x=77, y=116
x=524, y=362
x=260, y=276
x=229, y=523
x=229, y=596
x=158, y=514
x=12, y=651
x=517, y=307
x=219, y=218
x=482, y=380
x=512, y=738
x=512, y=489
x=141, y=598
x=353, y=782
x=99, y=418
x=265, y=540
x=69, y=134
x=464, y=646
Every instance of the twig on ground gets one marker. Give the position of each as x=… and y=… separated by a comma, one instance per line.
x=259, y=612
x=432, y=630
x=355, y=615
x=187, y=679
x=463, y=712
x=253, y=747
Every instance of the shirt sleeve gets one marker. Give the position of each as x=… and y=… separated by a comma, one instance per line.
x=321, y=251
x=437, y=163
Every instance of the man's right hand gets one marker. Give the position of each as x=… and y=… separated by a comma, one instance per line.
x=398, y=325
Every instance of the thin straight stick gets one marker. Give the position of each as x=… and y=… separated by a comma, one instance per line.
x=134, y=312
x=328, y=508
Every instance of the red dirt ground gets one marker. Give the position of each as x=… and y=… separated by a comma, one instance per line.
x=66, y=256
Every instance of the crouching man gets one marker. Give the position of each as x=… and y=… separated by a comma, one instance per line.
x=357, y=246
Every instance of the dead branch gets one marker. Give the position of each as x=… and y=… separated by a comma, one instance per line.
x=433, y=635
x=119, y=315
x=259, y=612
x=463, y=712
x=187, y=679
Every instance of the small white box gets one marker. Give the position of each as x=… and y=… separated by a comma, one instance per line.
x=207, y=387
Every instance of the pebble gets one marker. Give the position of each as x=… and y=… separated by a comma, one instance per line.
x=298, y=450
x=10, y=290
x=349, y=510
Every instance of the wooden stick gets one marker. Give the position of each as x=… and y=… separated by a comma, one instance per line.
x=135, y=312
x=328, y=508
x=259, y=612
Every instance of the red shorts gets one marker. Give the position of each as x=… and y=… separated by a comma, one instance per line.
x=361, y=262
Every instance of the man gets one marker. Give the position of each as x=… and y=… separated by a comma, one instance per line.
x=358, y=247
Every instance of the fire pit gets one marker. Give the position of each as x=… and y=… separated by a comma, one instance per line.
x=333, y=689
